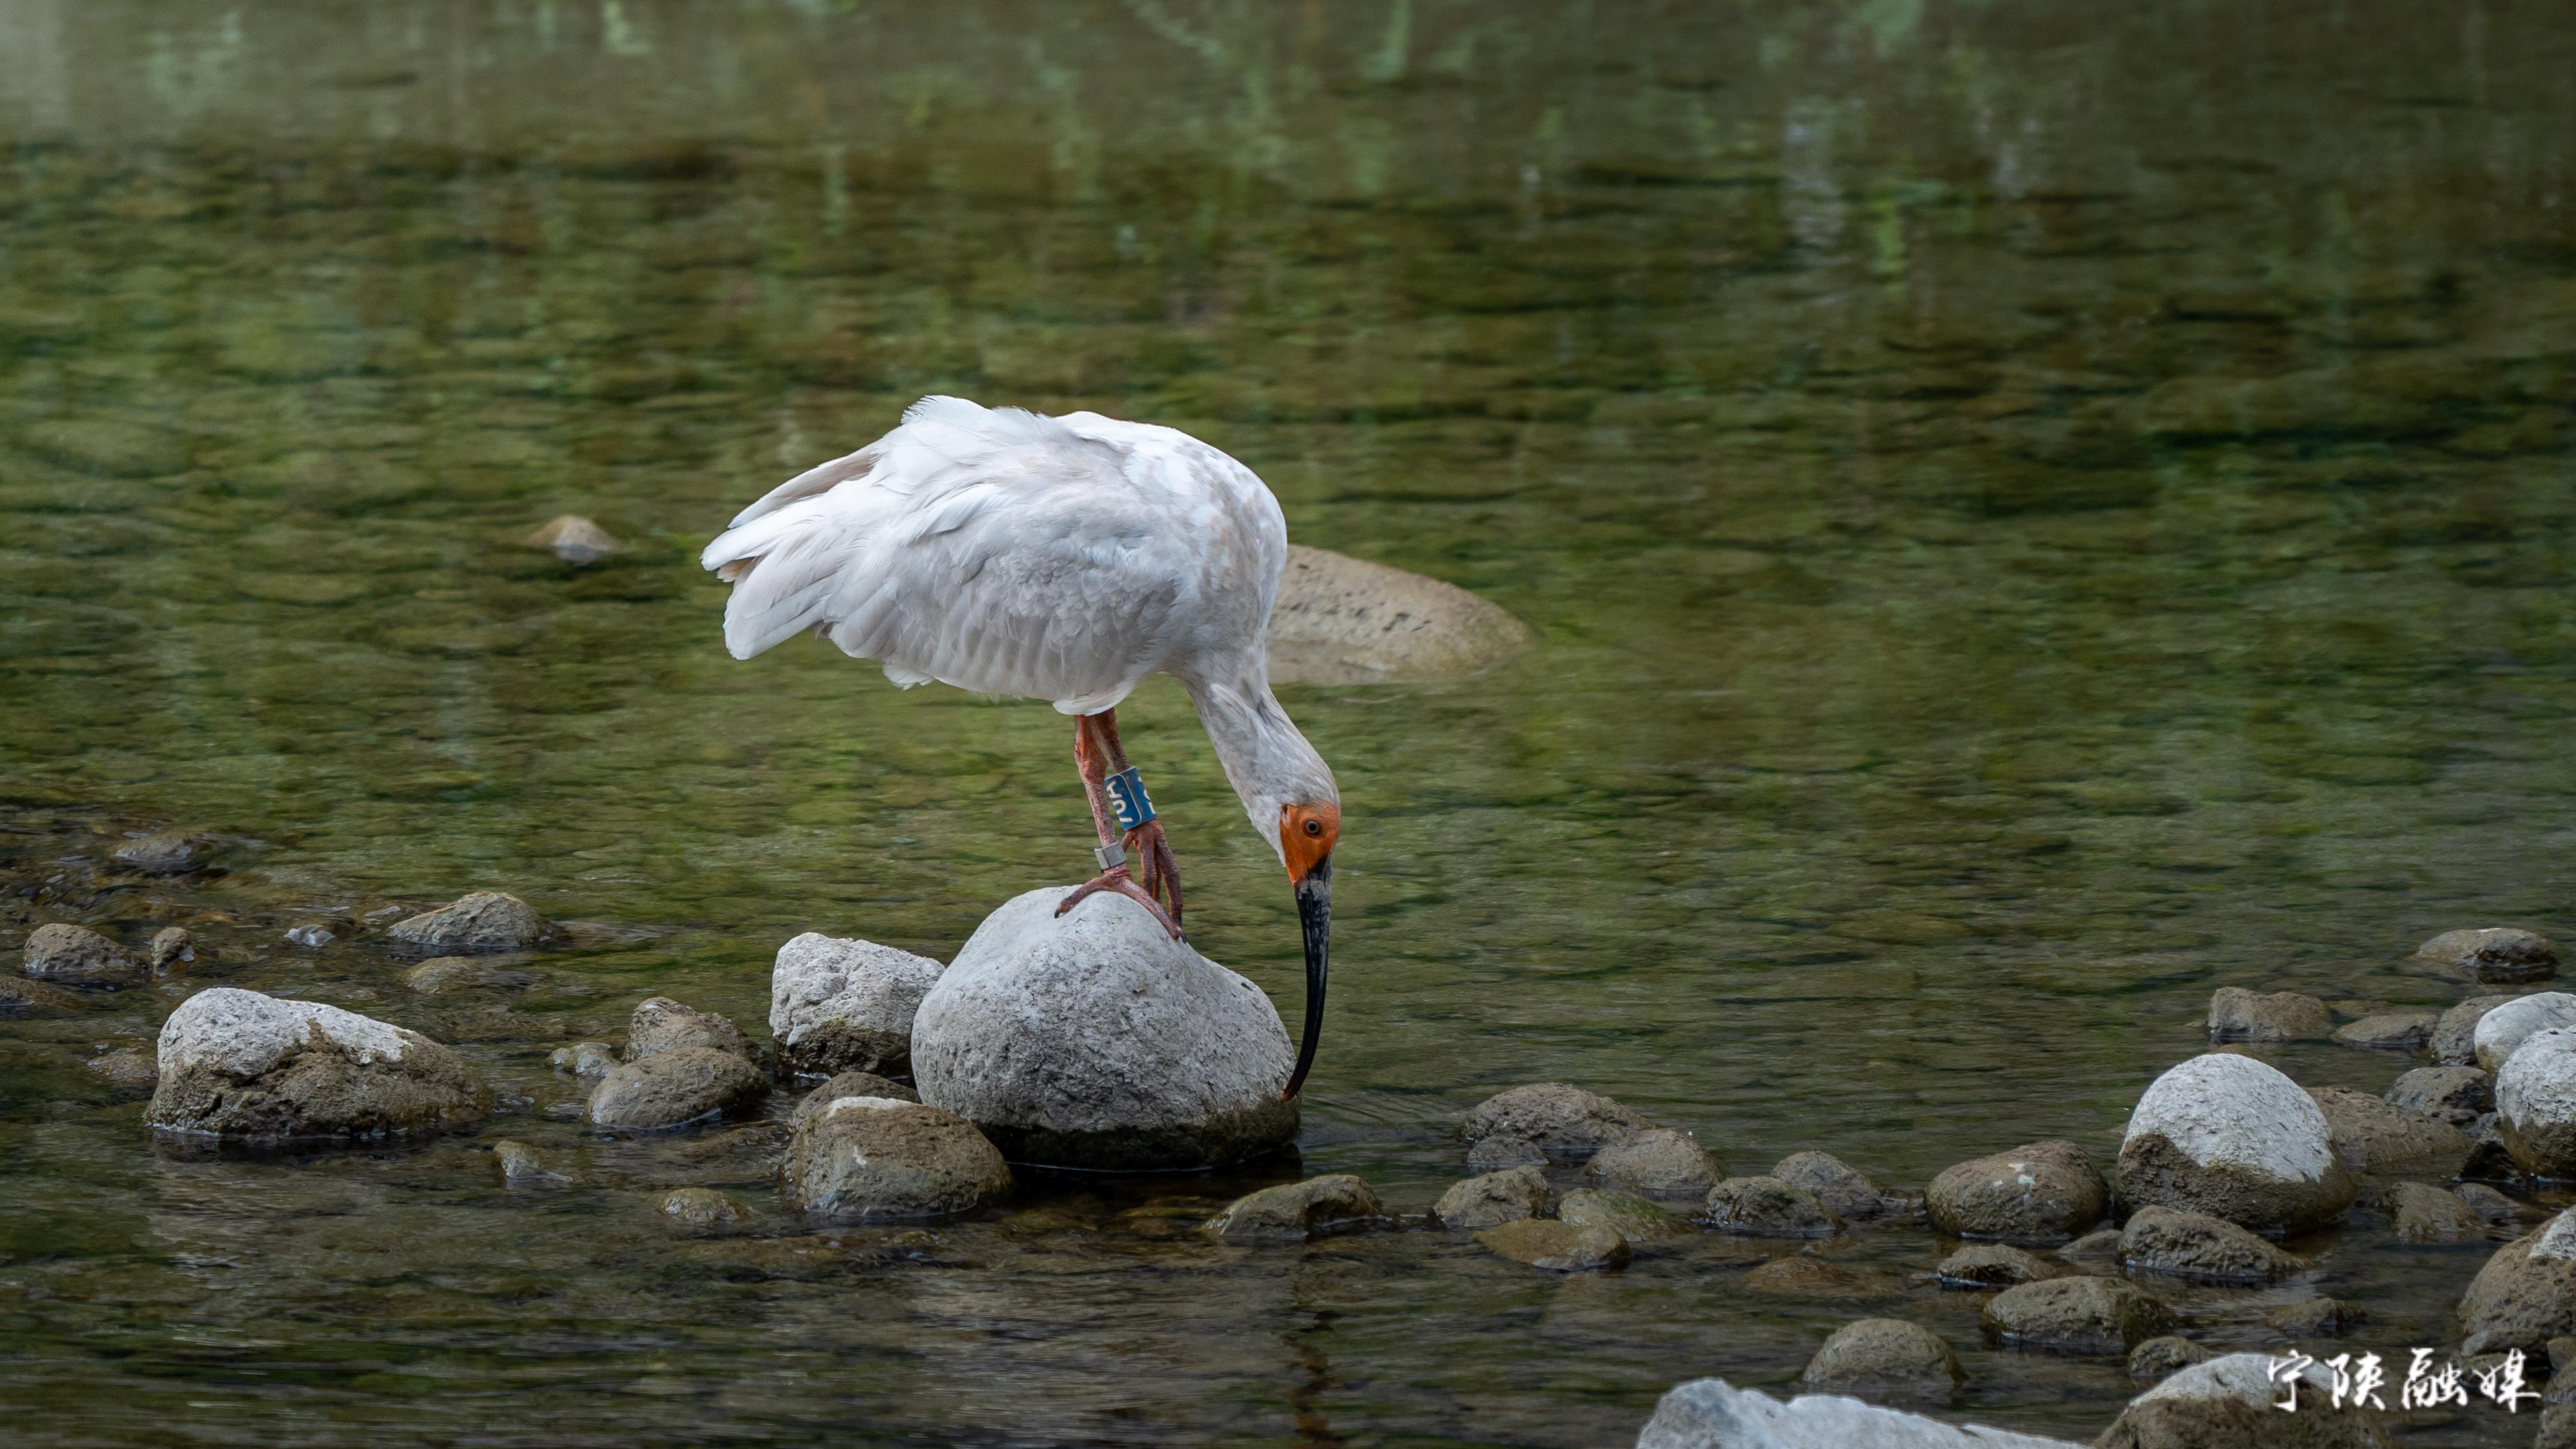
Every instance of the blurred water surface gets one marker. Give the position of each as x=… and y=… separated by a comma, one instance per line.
x=2032, y=512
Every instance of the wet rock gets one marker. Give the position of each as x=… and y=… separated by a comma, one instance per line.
x=2080, y=1314
x=1093, y=1039
x=1559, y=1247
x=237, y=1064
x=1297, y=1211
x=875, y=1157
x=1885, y=1356
x=2102, y=1245
x=127, y=1071
x=1341, y=620
x=1631, y=1217
x=2236, y=1014
x=2535, y=1097
x=476, y=924
x=2454, y=1041
x=2228, y=1401
x=2389, y=1031
x=2038, y=1193
x=2195, y=1245
x=312, y=936
x=68, y=955
x=521, y=1165
x=2162, y=1357
x=2371, y=1135
x=574, y=539
x=1801, y=1275
x=2526, y=1294
x=1493, y=1198
x=172, y=947
x=702, y=1207
x=2231, y=1137
x=2557, y=1427
x=848, y=1084
x=846, y=1005
x=1711, y=1414
x=2505, y=1027
x=1993, y=1265
x=2494, y=955
x=1495, y=1154
x=2457, y=1095
x=22, y=998
x=2311, y=1319
x=168, y=852
x=1843, y=1191
x=674, y=1088
x=2421, y=1213
x=1552, y=1116
x=584, y=1058
x=1766, y=1207
x=2492, y=1205
x=659, y=1024
x=441, y=974
x=1658, y=1162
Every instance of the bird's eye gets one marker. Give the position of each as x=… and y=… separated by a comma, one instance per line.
x=1314, y=827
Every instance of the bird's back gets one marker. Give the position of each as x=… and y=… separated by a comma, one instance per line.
x=1010, y=553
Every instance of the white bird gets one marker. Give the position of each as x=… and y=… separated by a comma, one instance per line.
x=1065, y=559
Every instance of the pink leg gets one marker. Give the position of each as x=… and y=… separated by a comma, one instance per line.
x=1090, y=756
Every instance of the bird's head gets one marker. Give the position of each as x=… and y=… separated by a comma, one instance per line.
x=1307, y=832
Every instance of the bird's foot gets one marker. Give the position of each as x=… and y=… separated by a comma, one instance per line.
x=1118, y=880
x=1161, y=874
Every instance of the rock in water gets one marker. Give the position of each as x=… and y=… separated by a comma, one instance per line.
x=1886, y=1356
x=1835, y=1183
x=524, y=1166
x=1095, y=1040
x=659, y=1024
x=2457, y=1095
x=2229, y=1401
x=2196, y=1245
x=1766, y=1207
x=2422, y=1213
x=592, y=1059
x=574, y=539
x=1659, y=1162
x=235, y=1064
x=2493, y=954
x=2390, y=1031
x=2075, y=1315
x=128, y=1071
x=20, y=997
x=2506, y=1025
x=2371, y=1135
x=2041, y=1193
x=172, y=947
x=1550, y=1117
x=1341, y=620
x=2526, y=1294
x=1493, y=1199
x=674, y=1088
x=848, y=1084
x=1293, y=1212
x=1992, y=1265
x=1559, y=1247
x=1711, y=1414
x=2236, y=1014
x=875, y=1157
x=168, y=852
x=2161, y=1357
x=2230, y=1137
x=702, y=1207
x=2535, y=1098
x=846, y=1005
x=2455, y=1031
x=68, y=955
x=481, y=922
x=1631, y=1217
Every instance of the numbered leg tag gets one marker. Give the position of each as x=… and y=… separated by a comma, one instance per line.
x=1127, y=798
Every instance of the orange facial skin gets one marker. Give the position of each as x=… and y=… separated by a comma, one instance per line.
x=1306, y=835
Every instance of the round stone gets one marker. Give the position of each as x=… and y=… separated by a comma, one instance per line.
x=874, y=1157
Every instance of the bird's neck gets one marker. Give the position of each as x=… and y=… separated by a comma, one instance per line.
x=1265, y=758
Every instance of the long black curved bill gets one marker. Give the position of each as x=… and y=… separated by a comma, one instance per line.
x=1315, y=914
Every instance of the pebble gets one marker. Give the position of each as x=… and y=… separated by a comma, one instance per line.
x=2083, y=1314
x=1658, y=1162
x=1841, y=1188
x=68, y=955
x=2492, y=954
x=1766, y=1207
x=2389, y=1031
x=875, y=1158
x=1559, y=1247
x=702, y=1207
x=1992, y=1265
x=1886, y=1356
x=2195, y=1245
x=2236, y=1014
x=1295, y=1212
x=1631, y=1217
x=475, y=924
x=1493, y=1198
x=2039, y=1193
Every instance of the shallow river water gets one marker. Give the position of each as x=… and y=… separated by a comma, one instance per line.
x=2032, y=511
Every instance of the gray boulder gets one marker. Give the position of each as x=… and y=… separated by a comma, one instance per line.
x=2372, y=1135
x=476, y=924
x=2228, y=1401
x=1493, y=1199
x=1993, y=1265
x=848, y=1084
x=2504, y=1027
x=2389, y=1031
x=1712, y=1414
x=1631, y=1217
x=1556, y=1117
x=2195, y=1245
x=659, y=1024
x=1766, y=1207
x=1342, y=620
x=1095, y=1040
x=2492, y=954
x=2457, y=1095
x=239, y=1065
x=674, y=1088
x=2422, y=1213
x=873, y=1158
x=1837, y=1185
x=68, y=955
x=1559, y=1247
x=2040, y=1193
x=2233, y=1138
x=1294, y=1212
x=2526, y=1294
x=2236, y=1014
x=2081, y=1314
x=2535, y=1097
x=846, y=1005
x=1659, y=1162
x=1886, y=1356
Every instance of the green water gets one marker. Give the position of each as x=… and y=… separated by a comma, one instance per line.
x=2032, y=511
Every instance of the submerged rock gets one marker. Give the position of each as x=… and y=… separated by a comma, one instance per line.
x=2040, y=1193
x=1493, y=1198
x=2389, y=1031
x=675, y=1087
x=2526, y=1294
x=1659, y=1162
x=2102, y=1245
x=2236, y=1014
x=574, y=539
x=1843, y=1190
x=1712, y=1414
x=1803, y=1275
x=523, y=1166
x=2233, y=1138
x=2421, y=1213
x=172, y=947
x=2075, y=1315
x=2492, y=954
x=68, y=955
x=2230, y=1401
x=20, y=998
x=2535, y=1098
x=846, y=1005
x=2372, y=1135
x=2492, y=1205
x=659, y=1024
x=1559, y=1247
x=1766, y=1207
x=2160, y=1357
x=848, y=1084
x=127, y=1071
x=236, y=1064
x=167, y=852
x=1341, y=620
x=2500, y=1030
x=1496, y=1154
x=1093, y=1039
x=1630, y=1216
x=2457, y=1095
x=702, y=1207
x=1552, y=1117
x=1318, y=1207
x=2195, y=1245
x=1993, y=1265
x=1886, y=1356
x=584, y=1058
x=875, y=1157
x=2311, y=1319
x=2454, y=1041
x=476, y=924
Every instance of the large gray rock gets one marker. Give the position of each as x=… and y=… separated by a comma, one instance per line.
x=68, y=955
x=2236, y=1014
x=1712, y=1414
x=2228, y=1136
x=2372, y=1135
x=1659, y=1162
x=2535, y=1097
x=2041, y=1193
x=2075, y=1315
x=1766, y=1207
x=873, y=1158
x=1095, y=1040
x=674, y=1088
x=2196, y=1245
x=236, y=1064
x=2457, y=1095
x=1835, y=1183
x=2492, y=954
x=1341, y=620
x=2228, y=1401
x=2526, y=1294
x=2505, y=1026
x=659, y=1024
x=481, y=922
x=1493, y=1198
x=846, y=1005
x=1885, y=1356
x=1550, y=1117
x=1293, y=1212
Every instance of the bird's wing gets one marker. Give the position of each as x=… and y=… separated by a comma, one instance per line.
x=991, y=549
